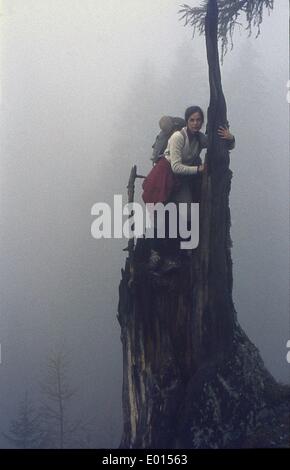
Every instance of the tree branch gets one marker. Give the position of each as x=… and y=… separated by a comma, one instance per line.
x=229, y=13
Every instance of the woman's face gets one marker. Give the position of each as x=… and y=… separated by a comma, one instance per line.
x=194, y=123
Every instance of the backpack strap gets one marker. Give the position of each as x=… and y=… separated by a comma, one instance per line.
x=183, y=132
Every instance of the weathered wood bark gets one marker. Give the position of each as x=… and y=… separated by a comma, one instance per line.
x=191, y=377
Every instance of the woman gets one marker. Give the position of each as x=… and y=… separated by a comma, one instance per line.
x=183, y=153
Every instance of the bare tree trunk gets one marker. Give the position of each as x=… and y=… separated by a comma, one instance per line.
x=215, y=314
x=191, y=377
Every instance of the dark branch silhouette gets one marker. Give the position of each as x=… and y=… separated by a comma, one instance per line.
x=231, y=14
x=25, y=430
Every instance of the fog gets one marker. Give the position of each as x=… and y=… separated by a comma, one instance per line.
x=83, y=85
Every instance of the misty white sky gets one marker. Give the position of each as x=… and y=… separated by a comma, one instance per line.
x=83, y=84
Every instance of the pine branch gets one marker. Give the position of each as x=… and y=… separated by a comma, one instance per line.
x=229, y=14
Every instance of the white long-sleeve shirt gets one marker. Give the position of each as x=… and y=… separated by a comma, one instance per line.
x=184, y=155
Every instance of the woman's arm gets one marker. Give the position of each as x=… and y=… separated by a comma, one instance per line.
x=224, y=134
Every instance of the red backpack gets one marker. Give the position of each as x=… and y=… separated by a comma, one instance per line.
x=160, y=182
